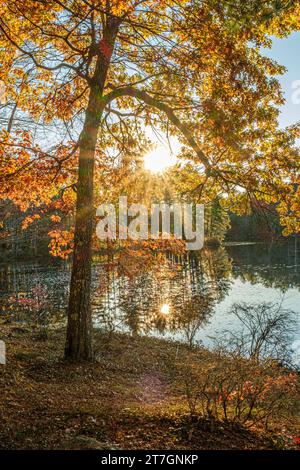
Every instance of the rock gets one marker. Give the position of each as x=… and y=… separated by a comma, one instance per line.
x=87, y=443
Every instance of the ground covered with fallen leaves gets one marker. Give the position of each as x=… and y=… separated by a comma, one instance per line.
x=129, y=398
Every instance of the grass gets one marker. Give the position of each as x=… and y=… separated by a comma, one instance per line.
x=130, y=398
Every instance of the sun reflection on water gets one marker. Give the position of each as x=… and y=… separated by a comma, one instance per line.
x=165, y=309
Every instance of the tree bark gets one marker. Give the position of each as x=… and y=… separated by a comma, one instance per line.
x=79, y=330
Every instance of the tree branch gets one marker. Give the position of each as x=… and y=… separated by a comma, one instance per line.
x=35, y=61
x=150, y=101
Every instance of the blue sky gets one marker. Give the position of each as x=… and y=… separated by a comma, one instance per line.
x=287, y=52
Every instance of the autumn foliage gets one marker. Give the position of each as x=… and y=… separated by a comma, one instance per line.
x=83, y=81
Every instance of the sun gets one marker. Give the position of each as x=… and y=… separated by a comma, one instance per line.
x=159, y=159
x=165, y=309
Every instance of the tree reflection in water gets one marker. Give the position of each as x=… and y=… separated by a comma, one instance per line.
x=189, y=287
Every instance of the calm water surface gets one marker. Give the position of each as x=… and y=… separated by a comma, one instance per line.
x=189, y=301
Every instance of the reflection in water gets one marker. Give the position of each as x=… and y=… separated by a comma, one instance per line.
x=187, y=299
x=165, y=309
x=177, y=300
x=275, y=266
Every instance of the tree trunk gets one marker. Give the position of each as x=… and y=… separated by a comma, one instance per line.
x=79, y=329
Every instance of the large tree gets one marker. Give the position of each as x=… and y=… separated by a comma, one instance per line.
x=95, y=73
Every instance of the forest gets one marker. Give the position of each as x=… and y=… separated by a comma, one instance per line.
x=173, y=325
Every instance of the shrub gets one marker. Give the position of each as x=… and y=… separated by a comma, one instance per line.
x=239, y=390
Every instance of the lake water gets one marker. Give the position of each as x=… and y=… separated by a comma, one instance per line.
x=189, y=300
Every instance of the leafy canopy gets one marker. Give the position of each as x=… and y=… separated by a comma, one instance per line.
x=194, y=69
